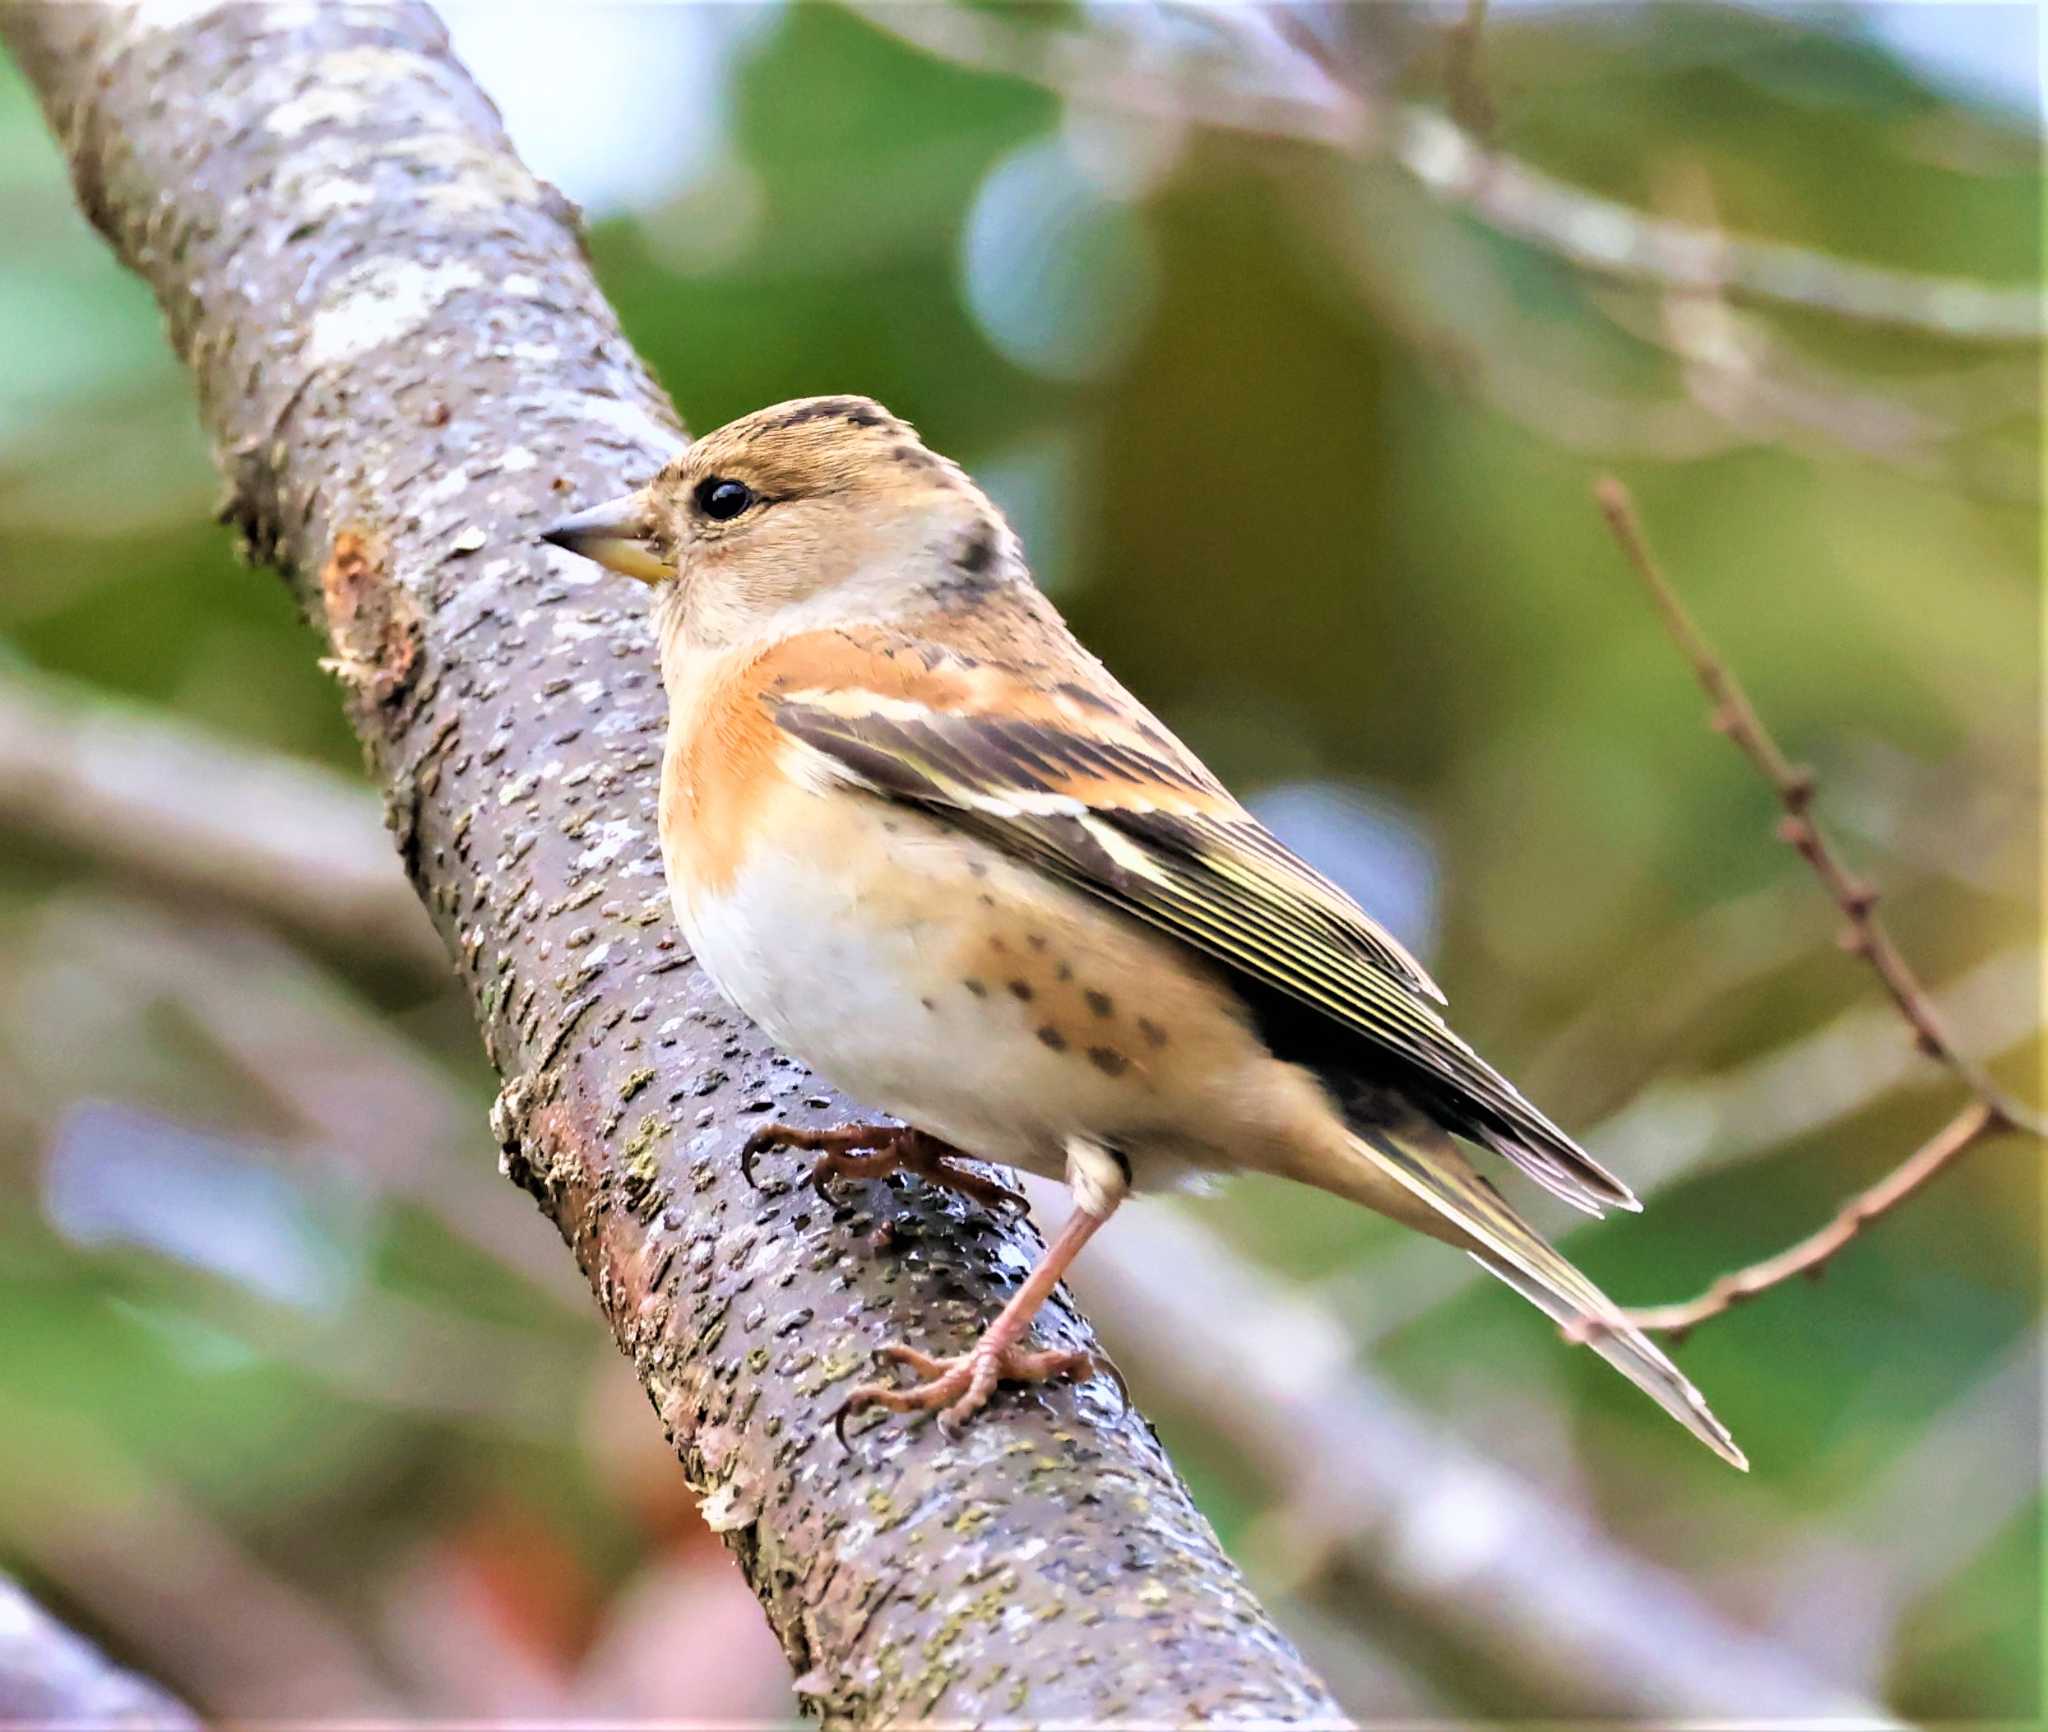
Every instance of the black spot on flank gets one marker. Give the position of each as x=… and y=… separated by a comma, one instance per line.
x=1100, y=1002
x=1108, y=1060
x=927, y=1003
x=987, y=901
x=1036, y=940
x=1022, y=989
x=1050, y=1036
x=1065, y=971
x=1151, y=1031
x=975, y=987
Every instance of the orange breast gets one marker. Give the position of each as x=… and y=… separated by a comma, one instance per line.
x=719, y=774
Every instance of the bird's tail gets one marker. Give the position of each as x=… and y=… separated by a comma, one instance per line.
x=1429, y=1167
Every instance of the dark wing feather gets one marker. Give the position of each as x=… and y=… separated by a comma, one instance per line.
x=1139, y=823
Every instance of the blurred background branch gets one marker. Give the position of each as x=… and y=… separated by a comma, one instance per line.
x=141, y=797
x=1370, y=1499
x=1253, y=70
x=50, y=1677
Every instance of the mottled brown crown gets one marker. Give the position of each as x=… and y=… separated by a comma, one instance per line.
x=812, y=446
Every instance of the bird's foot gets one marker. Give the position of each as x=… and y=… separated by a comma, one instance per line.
x=874, y=1152
x=958, y=1386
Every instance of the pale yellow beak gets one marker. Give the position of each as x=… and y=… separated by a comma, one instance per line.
x=618, y=535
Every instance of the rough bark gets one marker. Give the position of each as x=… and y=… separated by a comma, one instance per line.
x=406, y=370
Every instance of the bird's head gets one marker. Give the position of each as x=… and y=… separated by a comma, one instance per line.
x=823, y=511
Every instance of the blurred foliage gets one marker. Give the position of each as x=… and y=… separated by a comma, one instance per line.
x=1235, y=392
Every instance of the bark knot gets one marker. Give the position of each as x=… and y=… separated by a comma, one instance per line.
x=374, y=625
x=529, y=1125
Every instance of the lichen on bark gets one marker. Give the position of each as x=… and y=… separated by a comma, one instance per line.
x=406, y=370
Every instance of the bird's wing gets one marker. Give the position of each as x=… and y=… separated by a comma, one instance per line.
x=1091, y=789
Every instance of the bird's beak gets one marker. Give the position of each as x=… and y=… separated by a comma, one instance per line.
x=618, y=535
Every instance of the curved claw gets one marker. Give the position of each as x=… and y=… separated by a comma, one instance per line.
x=750, y=1151
x=858, y=1402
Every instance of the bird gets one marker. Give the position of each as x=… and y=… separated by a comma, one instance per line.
x=926, y=840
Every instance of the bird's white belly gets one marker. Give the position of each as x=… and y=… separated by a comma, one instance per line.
x=930, y=976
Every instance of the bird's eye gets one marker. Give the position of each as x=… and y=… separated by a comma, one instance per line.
x=722, y=499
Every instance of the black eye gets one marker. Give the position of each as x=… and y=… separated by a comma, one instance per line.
x=722, y=499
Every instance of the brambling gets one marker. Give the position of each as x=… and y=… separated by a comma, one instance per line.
x=926, y=840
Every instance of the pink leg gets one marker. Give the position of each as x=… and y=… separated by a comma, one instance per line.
x=960, y=1385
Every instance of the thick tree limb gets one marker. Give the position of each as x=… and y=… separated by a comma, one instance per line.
x=51, y=1677
x=406, y=369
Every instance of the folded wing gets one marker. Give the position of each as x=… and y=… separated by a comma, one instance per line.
x=1100, y=795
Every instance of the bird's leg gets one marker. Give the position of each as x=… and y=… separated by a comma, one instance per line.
x=874, y=1152
x=958, y=1386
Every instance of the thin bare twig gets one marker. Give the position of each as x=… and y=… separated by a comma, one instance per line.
x=1976, y=1122
x=1685, y=1130
x=1989, y=1112
x=1735, y=716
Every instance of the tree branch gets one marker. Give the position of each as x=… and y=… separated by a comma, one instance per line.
x=1810, y=1255
x=143, y=797
x=1989, y=1112
x=51, y=1677
x=406, y=369
x=189, y=1599
x=1271, y=88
